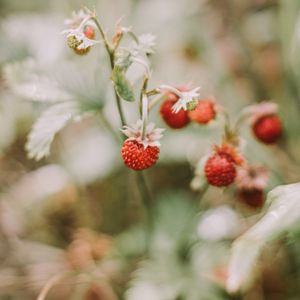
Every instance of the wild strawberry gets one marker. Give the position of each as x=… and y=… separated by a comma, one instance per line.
x=89, y=32
x=268, y=129
x=219, y=171
x=137, y=157
x=251, y=182
x=204, y=112
x=265, y=123
x=140, y=151
x=174, y=120
x=253, y=198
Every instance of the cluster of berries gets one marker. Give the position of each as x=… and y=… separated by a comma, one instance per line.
x=181, y=106
x=226, y=165
x=137, y=156
x=201, y=112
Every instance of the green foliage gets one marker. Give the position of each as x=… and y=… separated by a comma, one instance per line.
x=169, y=272
x=122, y=85
x=27, y=81
x=70, y=91
x=47, y=126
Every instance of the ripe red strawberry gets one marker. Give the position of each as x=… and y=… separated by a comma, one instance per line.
x=253, y=198
x=174, y=120
x=137, y=157
x=268, y=129
x=204, y=112
x=220, y=171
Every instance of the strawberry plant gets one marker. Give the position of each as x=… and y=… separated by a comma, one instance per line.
x=144, y=186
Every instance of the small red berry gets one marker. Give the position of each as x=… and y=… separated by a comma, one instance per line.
x=219, y=171
x=268, y=129
x=174, y=120
x=89, y=32
x=253, y=198
x=204, y=112
x=137, y=157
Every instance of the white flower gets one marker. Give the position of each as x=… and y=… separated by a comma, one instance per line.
x=136, y=52
x=83, y=41
x=151, y=137
x=78, y=32
x=77, y=18
x=184, y=97
x=145, y=45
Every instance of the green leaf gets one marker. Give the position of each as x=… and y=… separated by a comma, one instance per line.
x=122, y=85
x=50, y=123
x=67, y=82
x=156, y=280
x=283, y=214
x=26, y=81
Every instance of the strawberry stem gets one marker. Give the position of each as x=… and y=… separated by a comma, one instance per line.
x=141, y=180
x=111, y=53
x=144, y=106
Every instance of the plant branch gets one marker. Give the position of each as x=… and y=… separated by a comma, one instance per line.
x=111, y=54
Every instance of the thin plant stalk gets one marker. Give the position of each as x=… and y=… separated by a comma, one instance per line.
x=142, y=185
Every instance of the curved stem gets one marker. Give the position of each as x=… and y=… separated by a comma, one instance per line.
x=51, y=282
x=109, y=127
x=155, y=100
x=239, y=122
x=103, y=36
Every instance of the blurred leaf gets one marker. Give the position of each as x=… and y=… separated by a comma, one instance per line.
x=158, y=280
x=26, y=81
x=283, y=214
x=122, y=85
x=50, y=123
x=10, y=50
x=170, y=273
x=85, y=83
x=60, y=83
x=132, y=242
x=174, y=221
x=75, y=91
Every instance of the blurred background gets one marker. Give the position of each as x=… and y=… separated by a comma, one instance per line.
x=76, y=218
